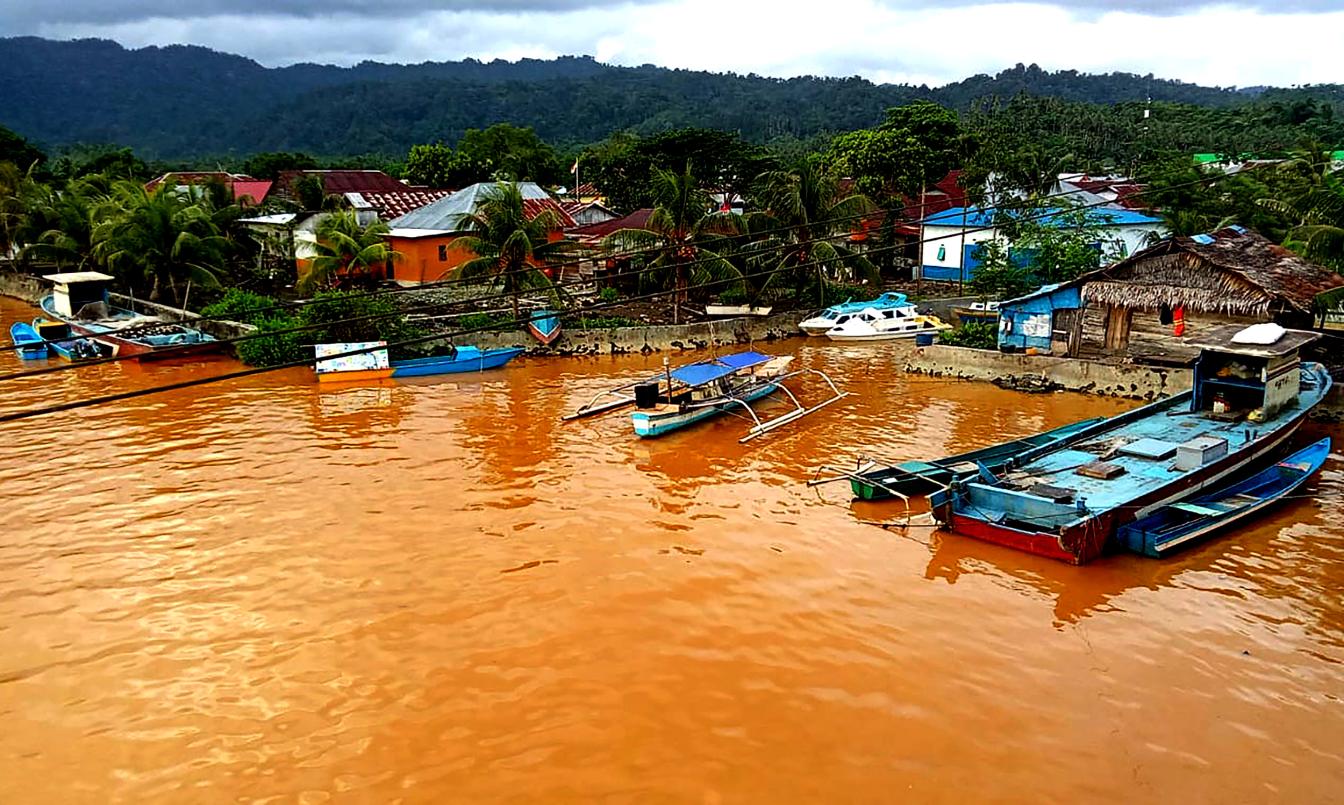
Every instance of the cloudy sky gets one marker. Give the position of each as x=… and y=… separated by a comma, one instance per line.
x=1279, y=42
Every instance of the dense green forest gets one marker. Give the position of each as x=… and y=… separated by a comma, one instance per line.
x=184, y=102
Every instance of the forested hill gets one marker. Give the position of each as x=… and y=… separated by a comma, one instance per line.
x=186, y=101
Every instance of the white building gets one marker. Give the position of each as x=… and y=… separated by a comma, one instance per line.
x=949, y=249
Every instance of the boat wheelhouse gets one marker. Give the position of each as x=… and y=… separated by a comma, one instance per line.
x=81, y=299
x=1067, y=497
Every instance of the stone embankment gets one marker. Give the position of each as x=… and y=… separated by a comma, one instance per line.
x=1047, y=373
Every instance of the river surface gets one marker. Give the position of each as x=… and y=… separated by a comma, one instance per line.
x=437, y=591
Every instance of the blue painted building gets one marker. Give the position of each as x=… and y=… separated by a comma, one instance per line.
x=951, y=239
x=1042, y=319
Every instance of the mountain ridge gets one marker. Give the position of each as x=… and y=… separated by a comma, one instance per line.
x=179, y=101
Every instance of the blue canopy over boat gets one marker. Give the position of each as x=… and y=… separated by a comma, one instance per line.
x=702, y=372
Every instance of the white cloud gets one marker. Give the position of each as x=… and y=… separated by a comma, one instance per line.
x=879, y=39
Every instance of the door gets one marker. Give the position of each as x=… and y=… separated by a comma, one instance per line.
x=1117, y=328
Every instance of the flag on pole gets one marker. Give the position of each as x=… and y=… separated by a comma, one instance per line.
x=575, y=169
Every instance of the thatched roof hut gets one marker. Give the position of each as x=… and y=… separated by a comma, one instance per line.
x=1231, y=272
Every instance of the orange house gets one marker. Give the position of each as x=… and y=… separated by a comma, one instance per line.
x=428, y=238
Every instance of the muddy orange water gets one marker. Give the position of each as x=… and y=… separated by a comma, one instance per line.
x=438, y=592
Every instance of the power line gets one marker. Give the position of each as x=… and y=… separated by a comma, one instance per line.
x=120, y=396
x=629, y=254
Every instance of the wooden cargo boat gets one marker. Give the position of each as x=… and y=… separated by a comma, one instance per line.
x=1180, y=525
x=1067, y=499
x=80, y=299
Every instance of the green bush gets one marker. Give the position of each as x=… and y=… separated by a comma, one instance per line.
x=242, y=306
x=839, y=292
x=608, y=294
x=481, y=321
x=973, y=335
x=274, y=350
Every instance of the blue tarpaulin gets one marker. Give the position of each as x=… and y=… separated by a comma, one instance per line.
x=702, y=372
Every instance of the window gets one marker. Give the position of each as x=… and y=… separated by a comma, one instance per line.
x=443, y=252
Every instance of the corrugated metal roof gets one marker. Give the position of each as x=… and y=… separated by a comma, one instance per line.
x=338, y=182
x=977, y=217
x=451, y=213
x=635, y=220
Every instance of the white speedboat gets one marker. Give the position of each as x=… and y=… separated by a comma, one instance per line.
x=839, y=314
x=885, y=325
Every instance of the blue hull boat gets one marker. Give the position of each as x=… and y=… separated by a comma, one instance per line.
x=544, y=325
x=1180, y=525
x=30, y=345
x=649, y=423
x=466, y=359
x=62, y=341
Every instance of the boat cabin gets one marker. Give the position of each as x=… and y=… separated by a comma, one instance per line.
x=72, y=291
x=1249, y=372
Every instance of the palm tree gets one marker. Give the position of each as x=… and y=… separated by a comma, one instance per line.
x=807, y=204
x=59, y=222
x=163, y=237
x=511, y=246
x=346, y=252
x=1318, y=220
x=683, y=239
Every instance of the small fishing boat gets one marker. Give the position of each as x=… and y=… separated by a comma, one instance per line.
x=544, y=325
x=370, y=362
x=697, y=391
x=65, y=343
x=726, y=311
x=30, y=345
x=982, y=312
x=1180, y=525
x=81, y=299
x=463, y=359
x=839, y=314
x=886, y=325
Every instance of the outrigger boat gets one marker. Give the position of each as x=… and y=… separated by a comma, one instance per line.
x=544, y=325
x=696, y=391
x=80, y=299
x=371, y=362
x=64, y=343
x=843, y=312
x=1068, y=499
x=29, y=345
x=1180, y=525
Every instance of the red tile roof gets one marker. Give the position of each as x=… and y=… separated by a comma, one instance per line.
x=394, y=204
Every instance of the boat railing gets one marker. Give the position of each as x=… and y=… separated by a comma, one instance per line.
x=799, y=411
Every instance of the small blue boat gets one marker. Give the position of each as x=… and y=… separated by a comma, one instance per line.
x=544, y=325
x=464, y=359
x=62, y=341
x=30, y=345
x=1181, y=525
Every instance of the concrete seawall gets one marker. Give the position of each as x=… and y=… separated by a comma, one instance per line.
x=1071, y=374
x=650, y=338
x=23, y=287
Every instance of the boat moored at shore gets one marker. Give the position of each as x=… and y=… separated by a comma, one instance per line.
x=835, y=315
x=80, y=299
